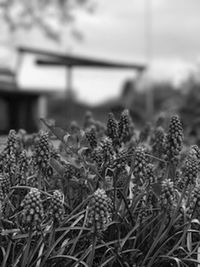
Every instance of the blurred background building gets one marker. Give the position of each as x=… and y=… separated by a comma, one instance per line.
x=156, y=35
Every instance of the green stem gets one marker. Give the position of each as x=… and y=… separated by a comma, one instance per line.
x=25, y=257
x=52, y=235
x=92, y=254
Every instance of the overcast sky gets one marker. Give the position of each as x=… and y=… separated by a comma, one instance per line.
x=120, y=30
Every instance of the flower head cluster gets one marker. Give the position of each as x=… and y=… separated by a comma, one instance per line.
x=190, y=170
x=32, y=210
x=12, y=143
x=142, y=209
x=1, y=193
x=194, y=151
x=122, y=159
x=42, y=151
x=71, y=171
x=23, y=164
x=150, y=175
x=194, y=204
x=9, y=159
x=158, y=141
x=140, y=165
x=167, y=195
x=1, y=199
x=174, y=140
x=112, y=128
x=99, y=211
x=98, y=158
x=107, y=149
x=125, y=126
x=91, y=137
x=5, y=183
x=56, y=208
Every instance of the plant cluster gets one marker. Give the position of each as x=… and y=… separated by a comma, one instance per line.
x=100, y=195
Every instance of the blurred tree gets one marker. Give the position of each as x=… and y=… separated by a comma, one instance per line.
x=190, y=108
x=47, y=15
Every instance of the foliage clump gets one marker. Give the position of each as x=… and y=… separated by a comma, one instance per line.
x=100, y=195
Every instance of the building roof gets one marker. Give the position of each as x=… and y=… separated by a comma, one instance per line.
x=56, y=59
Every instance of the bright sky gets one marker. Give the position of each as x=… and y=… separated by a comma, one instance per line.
x=118, y=31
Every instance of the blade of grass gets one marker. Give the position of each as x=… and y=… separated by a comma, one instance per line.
x=92, y=254
x=6, y=255
x=156, y=241
x=79, y=234
x=50, y=250
x=127, y=207
x=15, y=264
x=171, y=223
x=34, y=251
x=198, y=256
x=69, y=257
x=107, y=261
x=84, y=254
x=40, y=255
x=155, y=256
x=144, y=229
x=27, y=249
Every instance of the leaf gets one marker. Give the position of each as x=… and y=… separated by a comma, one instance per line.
x=6, y=256
x=60, y=133
x=82, y=150
x=198, y=255
x=157, y=189
x=71, y=258
x=53, y=246
x=3, y=251
x=40, y=254
x=108, y=260
x=189, y=241
x=27, y=250
x=57, y=167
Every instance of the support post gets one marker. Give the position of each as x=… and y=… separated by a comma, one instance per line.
x=69, y=89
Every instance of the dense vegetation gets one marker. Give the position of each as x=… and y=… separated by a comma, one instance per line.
x=100, y=195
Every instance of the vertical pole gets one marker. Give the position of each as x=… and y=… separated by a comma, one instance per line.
x=149, y=46
x=69, y=89
x=42, y=106
x=69, y=95
x=18, y=66
x=39, y=107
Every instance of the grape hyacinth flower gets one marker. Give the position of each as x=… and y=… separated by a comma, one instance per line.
x=32, y=212
x=174, y=139
x=140, y=165
x=167, y=195
x=99, y=211
x=112, y=129
x=56, y=207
